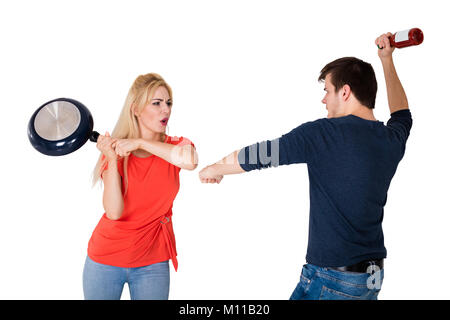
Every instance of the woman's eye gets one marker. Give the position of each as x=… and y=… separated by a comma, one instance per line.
x=169, y=104
x=156, y=103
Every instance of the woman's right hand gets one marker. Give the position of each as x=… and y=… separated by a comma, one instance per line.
x=104, y=145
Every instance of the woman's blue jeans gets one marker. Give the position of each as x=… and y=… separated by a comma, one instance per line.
x=104, y=282
x=317, y=283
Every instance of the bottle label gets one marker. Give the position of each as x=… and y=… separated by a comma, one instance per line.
x=402, y=35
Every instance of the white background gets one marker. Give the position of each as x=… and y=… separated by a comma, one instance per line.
x=241, y=72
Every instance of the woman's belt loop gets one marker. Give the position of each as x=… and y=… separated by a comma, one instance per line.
x=169, y=243
x=165, y=220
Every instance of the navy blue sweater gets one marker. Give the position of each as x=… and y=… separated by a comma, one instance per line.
x=351, y=162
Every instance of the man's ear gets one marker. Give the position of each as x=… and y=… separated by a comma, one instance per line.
x=346, y=92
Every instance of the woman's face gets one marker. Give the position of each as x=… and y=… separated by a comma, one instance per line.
x=156, y=113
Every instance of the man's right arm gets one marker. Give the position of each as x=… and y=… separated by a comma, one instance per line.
x=396, y=95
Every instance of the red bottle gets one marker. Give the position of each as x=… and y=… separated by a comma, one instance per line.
x=406, y=38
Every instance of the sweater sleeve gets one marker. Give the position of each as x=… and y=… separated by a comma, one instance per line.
x=401, y=123
x=288, y=149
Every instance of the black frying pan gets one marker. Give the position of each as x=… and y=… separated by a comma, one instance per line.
x=61, y=126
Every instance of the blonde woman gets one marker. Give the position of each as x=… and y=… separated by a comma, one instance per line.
x=139, y=166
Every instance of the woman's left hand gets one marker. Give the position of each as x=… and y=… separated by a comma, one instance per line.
x=124, y=147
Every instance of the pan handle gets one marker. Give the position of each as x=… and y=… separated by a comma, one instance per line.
x=94, y=136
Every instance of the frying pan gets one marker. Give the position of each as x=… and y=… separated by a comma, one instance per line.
x=61, y=126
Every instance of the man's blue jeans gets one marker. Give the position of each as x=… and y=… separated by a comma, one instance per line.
x=104, y=282
x=317, y=283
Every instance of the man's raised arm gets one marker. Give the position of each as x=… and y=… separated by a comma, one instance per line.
x=396, y=95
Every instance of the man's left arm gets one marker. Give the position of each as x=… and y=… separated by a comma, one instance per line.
x=290, y=148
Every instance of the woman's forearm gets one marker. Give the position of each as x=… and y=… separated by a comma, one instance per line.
x=112, y=194
x=184, y=157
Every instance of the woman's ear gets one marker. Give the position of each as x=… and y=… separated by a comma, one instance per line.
x=134, y=111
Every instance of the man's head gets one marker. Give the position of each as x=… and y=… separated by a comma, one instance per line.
x=350, y=83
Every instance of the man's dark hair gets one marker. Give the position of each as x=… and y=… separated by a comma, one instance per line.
x=359, y=75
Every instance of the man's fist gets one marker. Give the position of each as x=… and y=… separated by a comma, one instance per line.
x=384, y=47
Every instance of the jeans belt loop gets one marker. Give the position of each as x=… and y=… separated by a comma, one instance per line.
x=363, y=266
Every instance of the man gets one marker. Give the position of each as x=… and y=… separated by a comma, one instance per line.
x=351, y=160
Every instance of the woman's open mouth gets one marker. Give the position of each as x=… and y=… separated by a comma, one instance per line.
x=164, y=121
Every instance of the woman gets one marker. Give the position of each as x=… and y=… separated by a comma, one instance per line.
x=140, y=167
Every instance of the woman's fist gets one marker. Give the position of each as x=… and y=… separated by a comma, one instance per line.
x=104, y=144
x=123, y=147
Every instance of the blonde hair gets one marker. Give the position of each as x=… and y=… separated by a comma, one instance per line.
x=127, y=127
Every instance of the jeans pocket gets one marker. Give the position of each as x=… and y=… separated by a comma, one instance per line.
x=333, y=294
x=303, y=285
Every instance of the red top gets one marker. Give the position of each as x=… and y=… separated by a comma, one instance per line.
x=144, y=234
